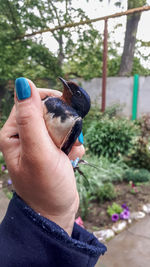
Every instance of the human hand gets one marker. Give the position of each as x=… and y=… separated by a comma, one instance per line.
x=42, y=174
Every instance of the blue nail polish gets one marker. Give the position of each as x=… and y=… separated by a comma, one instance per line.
x=23, y=89
x=80, y=138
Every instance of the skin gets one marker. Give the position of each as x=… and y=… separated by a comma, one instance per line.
x=42, y=174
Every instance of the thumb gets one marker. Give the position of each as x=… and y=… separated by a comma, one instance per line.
x=29, y=116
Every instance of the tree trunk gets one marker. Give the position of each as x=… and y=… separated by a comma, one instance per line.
x=129, y=45
x=60, y=53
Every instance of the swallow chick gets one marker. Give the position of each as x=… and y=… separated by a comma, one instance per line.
x=63, y=116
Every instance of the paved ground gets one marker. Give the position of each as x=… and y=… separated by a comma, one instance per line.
x=131, y=248
x=4, y=201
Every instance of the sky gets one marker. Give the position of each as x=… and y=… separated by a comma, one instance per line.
x=94, y=9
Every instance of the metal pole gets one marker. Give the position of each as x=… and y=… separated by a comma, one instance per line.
x=104, y=75
x=135, y=96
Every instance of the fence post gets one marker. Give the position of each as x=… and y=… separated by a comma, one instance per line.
x=135, y=96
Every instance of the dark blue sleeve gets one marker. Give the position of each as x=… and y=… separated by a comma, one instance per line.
x=30, y=240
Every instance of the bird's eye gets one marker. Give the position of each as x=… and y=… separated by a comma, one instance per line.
x=78, y=93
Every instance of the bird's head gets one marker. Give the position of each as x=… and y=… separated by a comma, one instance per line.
x=76, y=97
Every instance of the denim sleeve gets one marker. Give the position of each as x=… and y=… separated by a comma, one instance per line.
x=29, y=240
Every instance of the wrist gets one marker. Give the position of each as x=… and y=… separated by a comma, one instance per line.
x=66, y=222
x=63, y=219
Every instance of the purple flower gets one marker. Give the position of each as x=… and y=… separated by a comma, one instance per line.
x=125, y=207
x=3, y=168
x=9, y=182
x=115, y=217
x=125, y=215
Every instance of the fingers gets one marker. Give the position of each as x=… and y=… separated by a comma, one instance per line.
x=29, y=116
x=9, y=131
x=77, y=151
x=49, y=92
x=10, y=126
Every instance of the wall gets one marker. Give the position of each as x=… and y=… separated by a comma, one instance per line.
x=120, y=91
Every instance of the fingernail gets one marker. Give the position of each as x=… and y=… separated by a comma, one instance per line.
x=23, y=89
x=75, y=162
x=80, y=138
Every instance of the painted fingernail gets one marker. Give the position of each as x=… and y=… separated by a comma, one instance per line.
x=75, y=162
x=23, y=89
x=80, y=138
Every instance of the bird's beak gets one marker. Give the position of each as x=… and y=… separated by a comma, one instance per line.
x=65, y=84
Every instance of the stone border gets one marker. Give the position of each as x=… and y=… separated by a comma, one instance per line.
x=107, y=234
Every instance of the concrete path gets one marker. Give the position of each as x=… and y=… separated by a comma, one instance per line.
x=130, y=248
x=4, y=201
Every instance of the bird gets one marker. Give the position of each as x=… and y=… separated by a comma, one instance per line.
x=63, y=116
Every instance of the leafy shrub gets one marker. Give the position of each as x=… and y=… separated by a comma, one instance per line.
x=104, y=172
x=106, y=192
x=139, y=153
x=2, y=162
x=90, y=186
x=1, y=158
x=112, y=111
x=7, y=103
x=95, y=115
x=137, y=176
x=110, y=137
x=115, y=208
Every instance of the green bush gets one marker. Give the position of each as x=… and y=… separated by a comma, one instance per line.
x=110, y=137
x=112, y=111
x=139, y=154
x=96, y=178
x=137, y=175
x=1, y=158
x=7, y=103
x=95, y=115
x=106, y=192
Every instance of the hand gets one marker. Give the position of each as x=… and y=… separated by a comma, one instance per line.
x=42, y=174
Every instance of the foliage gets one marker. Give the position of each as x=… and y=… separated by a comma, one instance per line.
x=114, y=209
x=112, y=111
x=110, y=137
x=89, y=188
x=95, y=114
x=139, y=154
x=1, y=158
x=106, y=192
x=79, y=49
x=6, y=103
x=20, y=56
x=137, y=175
x=138, y=68
x=104, y=171
x=85, y=55
x=2, y=162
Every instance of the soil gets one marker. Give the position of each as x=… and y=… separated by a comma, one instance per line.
x=97, y=217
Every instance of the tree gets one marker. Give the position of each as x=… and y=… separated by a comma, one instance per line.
x=127, y=58
x=27, y=57
x=130, y=38
x=38, y=15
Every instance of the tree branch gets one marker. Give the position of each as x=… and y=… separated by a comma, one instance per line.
x=88, y=21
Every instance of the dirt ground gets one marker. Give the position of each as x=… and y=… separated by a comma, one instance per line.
x=97, y=217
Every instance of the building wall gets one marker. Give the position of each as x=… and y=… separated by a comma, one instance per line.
x=120, y=91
